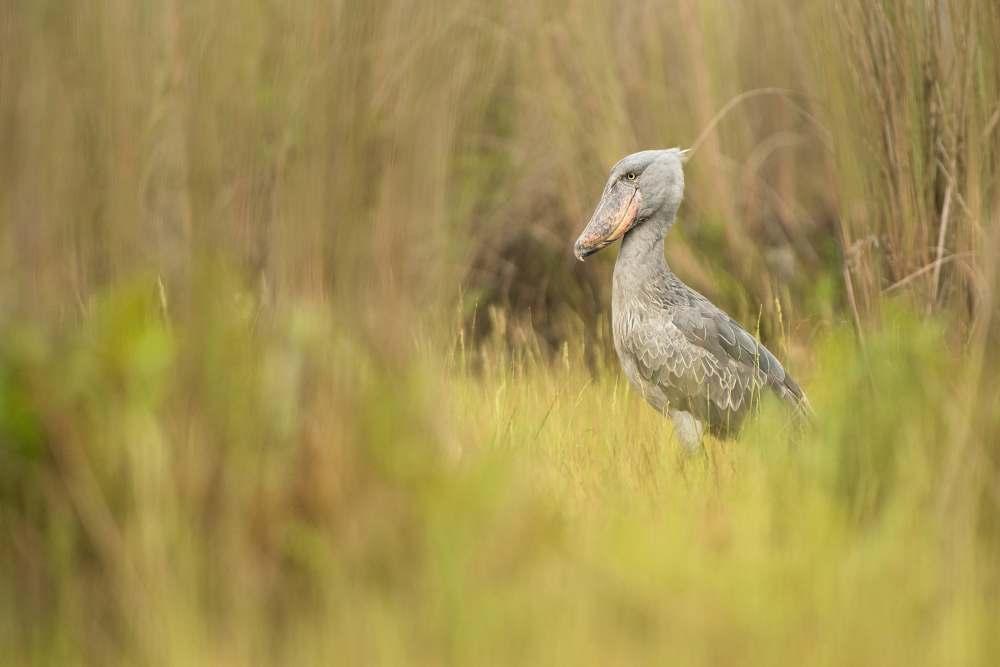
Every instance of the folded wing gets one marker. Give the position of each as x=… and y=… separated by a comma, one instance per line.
x=707, y=364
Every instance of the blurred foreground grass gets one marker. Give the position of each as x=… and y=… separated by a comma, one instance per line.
x=277, y=490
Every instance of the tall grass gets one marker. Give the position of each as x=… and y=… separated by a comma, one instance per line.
x=296, y=366
x=919, y=101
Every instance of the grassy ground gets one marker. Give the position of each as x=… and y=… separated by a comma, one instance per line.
x=296, y=366
x=295, y=494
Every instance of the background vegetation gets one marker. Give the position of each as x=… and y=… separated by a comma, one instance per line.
x=296, y=366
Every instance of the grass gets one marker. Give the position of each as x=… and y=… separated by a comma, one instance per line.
x=296, y=366
x=295, y=494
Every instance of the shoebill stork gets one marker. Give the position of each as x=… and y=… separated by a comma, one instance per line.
x=689, y=359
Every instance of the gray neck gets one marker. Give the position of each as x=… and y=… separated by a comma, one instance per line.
x=640, y=258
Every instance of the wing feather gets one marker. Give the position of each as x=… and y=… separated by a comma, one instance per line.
x=707, y=364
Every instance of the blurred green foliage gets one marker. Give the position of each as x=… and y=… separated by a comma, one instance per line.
x=289, y=494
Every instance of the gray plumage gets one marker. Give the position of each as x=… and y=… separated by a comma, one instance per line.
x=688, y=358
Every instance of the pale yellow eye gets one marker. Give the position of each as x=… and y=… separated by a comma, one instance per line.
x=630, y=176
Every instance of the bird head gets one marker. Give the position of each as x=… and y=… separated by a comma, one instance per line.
x=641, y=187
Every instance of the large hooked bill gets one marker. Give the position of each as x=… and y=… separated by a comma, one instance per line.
x=616, y=214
